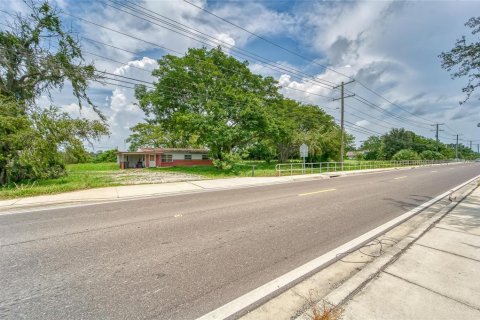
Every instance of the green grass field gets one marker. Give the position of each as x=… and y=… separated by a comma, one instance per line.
x=79, y=176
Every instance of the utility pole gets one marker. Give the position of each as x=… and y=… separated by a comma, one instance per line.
x=342, y=114
x=471, y=145
x=437, y=130
x=456, y=149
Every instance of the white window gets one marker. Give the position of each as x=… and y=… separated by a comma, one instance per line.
x=188, y=157
x=167, y=158
x=204, y=156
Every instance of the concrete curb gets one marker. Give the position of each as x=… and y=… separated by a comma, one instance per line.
x=355, y=284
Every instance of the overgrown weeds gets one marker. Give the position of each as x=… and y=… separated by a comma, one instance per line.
x=322, y=310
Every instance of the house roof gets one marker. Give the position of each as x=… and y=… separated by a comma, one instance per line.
x=166, y=150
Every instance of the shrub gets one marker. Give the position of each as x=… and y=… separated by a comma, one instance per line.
x=431, y=155
x=106, y=156
x=406, y=154
x=227, y=162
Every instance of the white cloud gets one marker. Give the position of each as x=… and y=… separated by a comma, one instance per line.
x=122, y=112
x=362, y=123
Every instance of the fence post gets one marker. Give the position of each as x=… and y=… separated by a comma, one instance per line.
x=320, y=167
x=291, y=169
x=253, y=170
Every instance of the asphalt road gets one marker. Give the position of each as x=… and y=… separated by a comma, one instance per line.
x=179, y=257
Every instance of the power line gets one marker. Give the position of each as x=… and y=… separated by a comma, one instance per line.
x=302, y=57
x=206, y=37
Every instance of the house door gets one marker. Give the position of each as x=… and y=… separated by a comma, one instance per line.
x=152, y=161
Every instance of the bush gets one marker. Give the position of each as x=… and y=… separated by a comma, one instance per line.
x=431, y=155
x=406, y=154
x=106, y=156
x=228, y=161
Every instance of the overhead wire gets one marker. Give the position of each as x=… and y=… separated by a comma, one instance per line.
x=303, y=57
x=269, y=63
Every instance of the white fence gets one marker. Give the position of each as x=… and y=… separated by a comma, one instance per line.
x=324, y=167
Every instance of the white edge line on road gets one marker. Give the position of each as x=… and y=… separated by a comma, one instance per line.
x=241, y=303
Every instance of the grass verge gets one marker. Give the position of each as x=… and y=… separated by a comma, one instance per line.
x=79, y=177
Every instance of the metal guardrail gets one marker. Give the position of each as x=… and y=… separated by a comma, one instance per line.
x=328, y=167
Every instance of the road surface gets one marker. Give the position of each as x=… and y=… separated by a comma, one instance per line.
x=181, y=256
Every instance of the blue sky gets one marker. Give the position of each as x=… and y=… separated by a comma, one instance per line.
x=390, y=47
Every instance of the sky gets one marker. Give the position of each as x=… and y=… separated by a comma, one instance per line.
x=390, y=48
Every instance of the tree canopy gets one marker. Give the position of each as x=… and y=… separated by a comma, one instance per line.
x=465, y=56
x=399, y=144
x=210, y=96
x=37, y=56
x=207, y=98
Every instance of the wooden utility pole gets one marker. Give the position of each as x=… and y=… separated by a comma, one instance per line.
x=436, y=132
x=456, y=149
x=342, y=116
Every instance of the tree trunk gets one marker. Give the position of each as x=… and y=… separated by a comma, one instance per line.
x=3, y=176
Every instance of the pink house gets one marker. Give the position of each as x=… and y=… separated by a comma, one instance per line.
x=163, y=157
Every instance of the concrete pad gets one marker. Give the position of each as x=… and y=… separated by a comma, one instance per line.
x=459, y=243
x=447, y=274
x=461, y=224
x=466, y=217
x=389, y=297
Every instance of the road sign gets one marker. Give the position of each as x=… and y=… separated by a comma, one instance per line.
x=303, y=151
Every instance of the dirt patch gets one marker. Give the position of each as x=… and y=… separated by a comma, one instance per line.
x=133, y=176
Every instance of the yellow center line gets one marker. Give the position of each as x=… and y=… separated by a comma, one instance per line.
x=315, y=192
x=400, y=177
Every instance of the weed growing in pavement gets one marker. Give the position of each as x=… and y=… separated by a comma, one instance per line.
x=323, y=311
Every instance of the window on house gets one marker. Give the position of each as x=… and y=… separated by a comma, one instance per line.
x=167, y=158
x=204, y=156
x=188, y=157
x=152, y=157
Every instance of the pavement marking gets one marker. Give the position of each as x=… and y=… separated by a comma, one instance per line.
x=315, y=192
x=397, y=178
x=434, y=171
x=267, y=290
x=178, y=216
